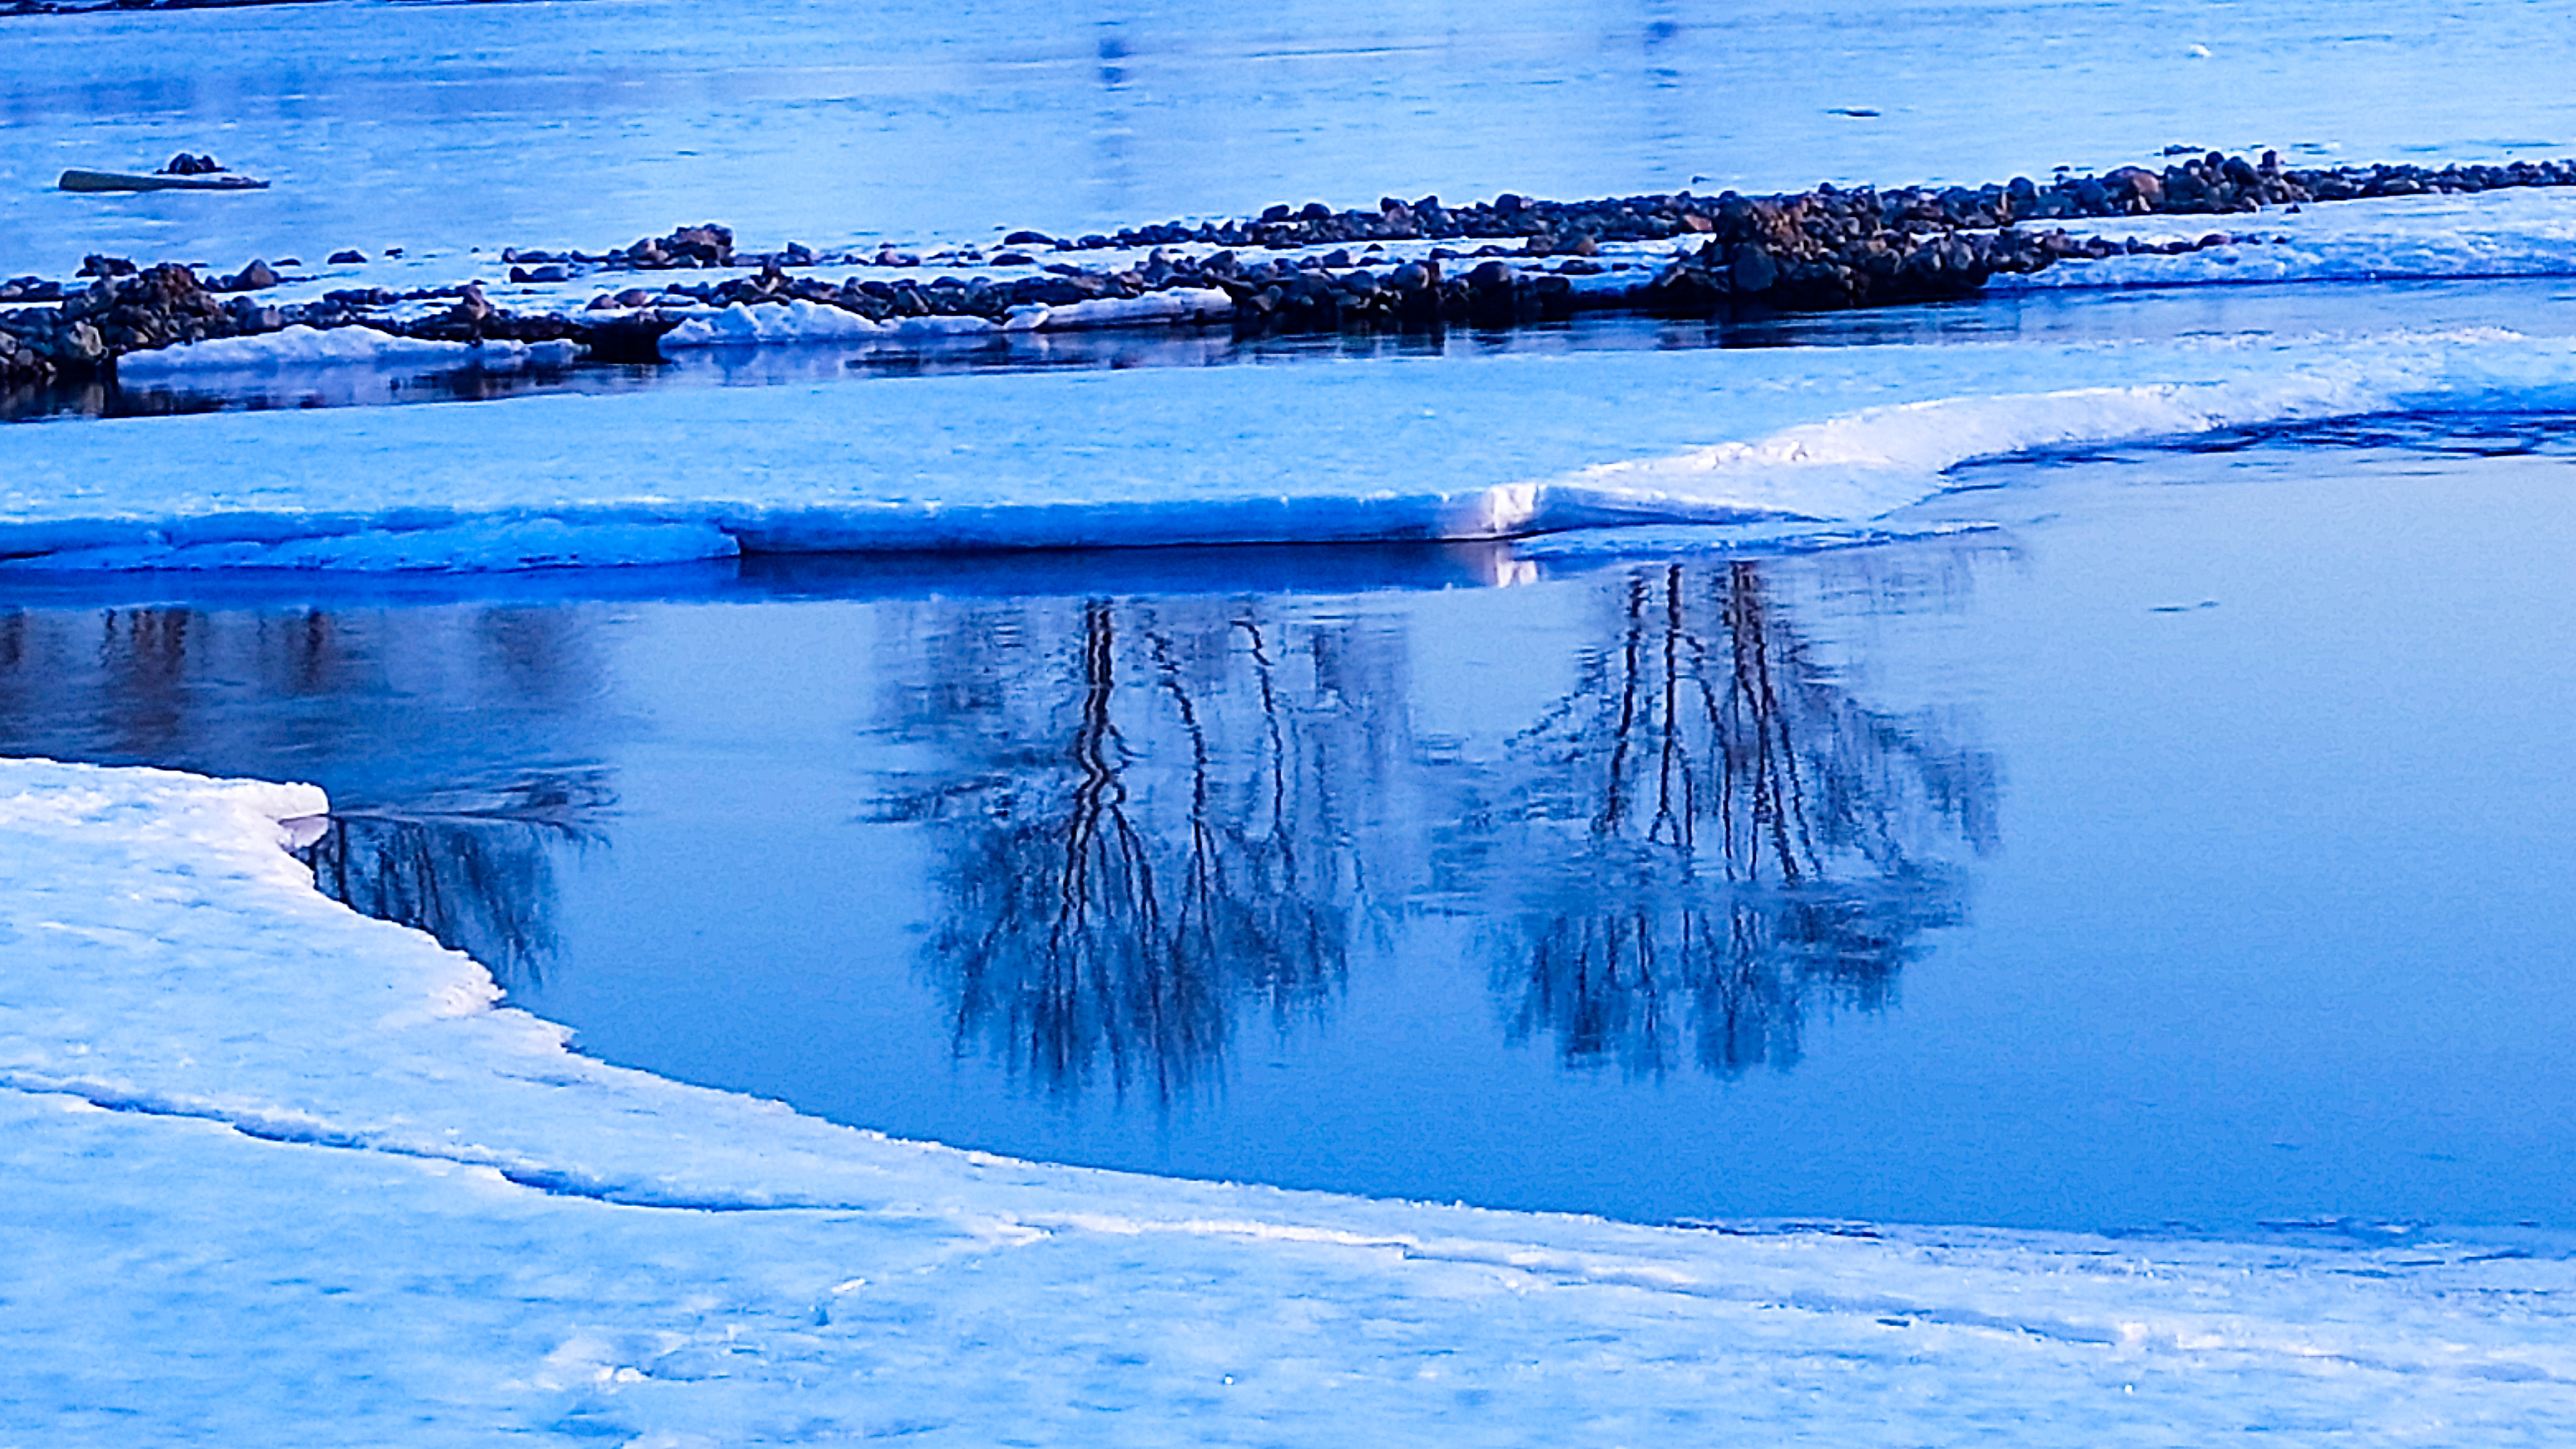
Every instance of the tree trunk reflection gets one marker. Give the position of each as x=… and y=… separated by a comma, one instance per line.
x=1114, y=902
x=1716, y=836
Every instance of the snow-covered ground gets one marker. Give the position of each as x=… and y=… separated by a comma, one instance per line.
x=284, y=1175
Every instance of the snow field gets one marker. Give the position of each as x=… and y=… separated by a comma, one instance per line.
x=370, y=1205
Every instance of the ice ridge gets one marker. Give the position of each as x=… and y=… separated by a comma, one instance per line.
x=303, y=1129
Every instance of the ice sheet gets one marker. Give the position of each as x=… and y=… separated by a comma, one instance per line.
x=1391, y=448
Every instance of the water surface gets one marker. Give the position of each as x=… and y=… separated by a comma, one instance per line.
x=2190, y=851
x=441, y=128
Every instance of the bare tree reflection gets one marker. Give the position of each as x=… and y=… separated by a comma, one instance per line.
x=1147, y=834
x=1720, y=837
x=475, y=872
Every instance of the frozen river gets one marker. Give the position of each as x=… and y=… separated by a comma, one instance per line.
x=2037, y=824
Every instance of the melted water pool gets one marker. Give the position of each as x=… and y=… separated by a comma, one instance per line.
x=2192, y=850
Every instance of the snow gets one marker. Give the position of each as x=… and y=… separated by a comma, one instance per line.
x=2524, y=233
x=745, y=325
x=786, y=323
x=1173, y=305
x=1393, y=448
x=300, y=346
x=413, y=1216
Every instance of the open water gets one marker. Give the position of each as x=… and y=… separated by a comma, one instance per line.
x=441, y=128
x=2188, y=851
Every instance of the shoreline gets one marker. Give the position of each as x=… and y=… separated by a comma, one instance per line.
x=1822, y=250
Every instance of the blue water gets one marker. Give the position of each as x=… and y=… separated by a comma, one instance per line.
x=2188, y=851
x=440, y=128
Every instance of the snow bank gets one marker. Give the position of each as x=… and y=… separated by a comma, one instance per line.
x=1403, y=448
x=1171, y=306
x=2494, y=234
x=339, y=1196
x=1873, y=462
x=776, y=323
x=741, y=325
x=302, y=346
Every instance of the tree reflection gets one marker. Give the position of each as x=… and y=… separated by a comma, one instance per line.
x=1714, y=836
x=478, y=874
x=1147, y=834
x=1156, y=817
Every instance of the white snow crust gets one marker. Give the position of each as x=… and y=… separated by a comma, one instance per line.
x=2514, y=233
x=786, y=323
x=773, y=323
x=1173, y=305
x=301, y=346
x=284, y=1175
x=1392, y=449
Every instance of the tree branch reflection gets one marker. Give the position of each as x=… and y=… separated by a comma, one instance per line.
x=478, y=874
x=1714, y=836
x=1180, y=853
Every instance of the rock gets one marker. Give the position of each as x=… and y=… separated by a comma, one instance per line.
x=78, y=345
x=1030, y=239
x=2139, y=183
x=634, y=338
x=251, y=318
x=1753, y=271
x=710, y=244
x=355, y=258
x=95, y=265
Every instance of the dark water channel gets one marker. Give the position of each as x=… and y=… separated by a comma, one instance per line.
x=2193, y=850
